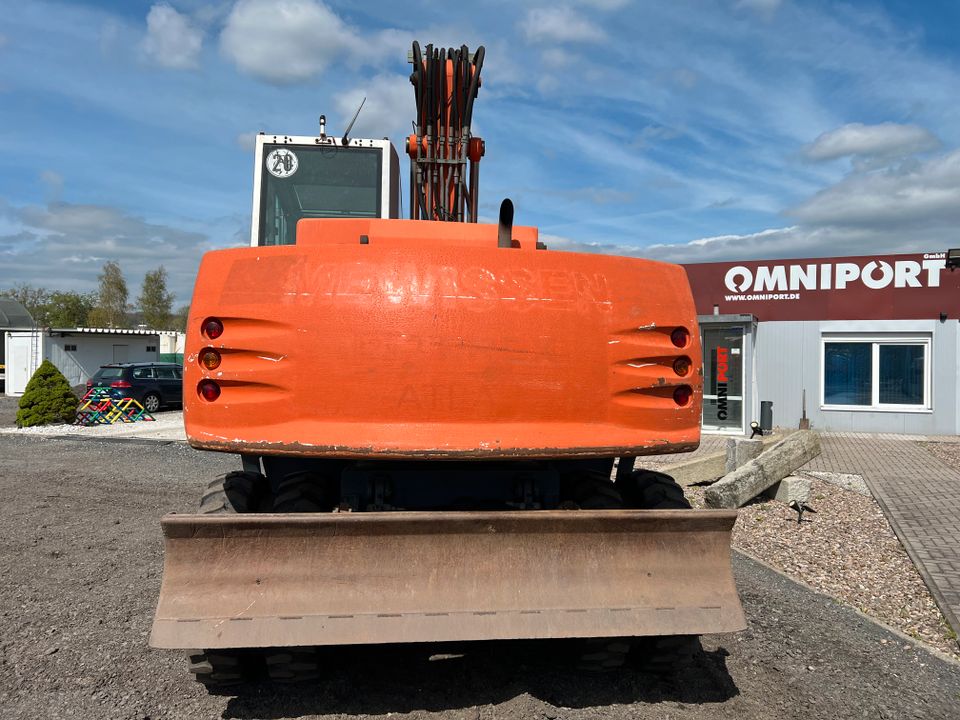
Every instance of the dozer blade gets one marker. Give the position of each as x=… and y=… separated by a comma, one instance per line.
x=262, y=580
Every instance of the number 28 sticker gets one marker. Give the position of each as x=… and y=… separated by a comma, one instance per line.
x=282, y=163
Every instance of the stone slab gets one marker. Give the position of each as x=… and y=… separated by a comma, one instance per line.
x=789, y=489
x=740, y=451
x=743, y=484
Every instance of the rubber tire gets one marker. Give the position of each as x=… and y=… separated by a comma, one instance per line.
x=665, y=654
x=217, y=669
x=293, y=665
x=151, y=402
x=592, y=490
x=589, y=490
x=297, y=492
x=301, y=492
x=604, y=654
x=651, y=490
x=235, y=492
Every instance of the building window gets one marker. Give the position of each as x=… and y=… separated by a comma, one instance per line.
x=70, y=348
x=151, y=348
x=878, y=373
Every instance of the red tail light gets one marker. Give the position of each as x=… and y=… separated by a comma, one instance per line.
x=89, y=383
x=120, y=384
x=209, y=390
x=680, y=337
x=682, y=395
x=212, y=328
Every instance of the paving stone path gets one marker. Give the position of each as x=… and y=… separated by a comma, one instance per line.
x=920, y=496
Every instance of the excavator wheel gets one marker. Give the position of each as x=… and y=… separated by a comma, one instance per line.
x=651, y=490
x=300, y=492
x=216, y=669
x=604, y=654
x=665, y=654
x=235, y=492
x=589, y=490
x=293, y=665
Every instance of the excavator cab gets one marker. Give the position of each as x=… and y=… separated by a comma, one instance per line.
x=302, y=177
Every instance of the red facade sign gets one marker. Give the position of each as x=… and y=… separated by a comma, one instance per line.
x=882, y=287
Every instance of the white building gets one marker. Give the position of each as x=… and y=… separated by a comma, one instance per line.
x=78, y=352
x=863, y=344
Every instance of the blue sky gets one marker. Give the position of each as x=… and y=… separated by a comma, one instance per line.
x=686, y=131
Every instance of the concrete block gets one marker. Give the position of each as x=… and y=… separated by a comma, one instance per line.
x=704, y=467
x=789, y=489
x=740, y=451
x=739, y=487
x=688, y=472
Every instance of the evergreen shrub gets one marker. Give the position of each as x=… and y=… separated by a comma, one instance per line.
x=47, y=398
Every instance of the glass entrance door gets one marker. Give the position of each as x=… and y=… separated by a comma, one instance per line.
x=723, y=378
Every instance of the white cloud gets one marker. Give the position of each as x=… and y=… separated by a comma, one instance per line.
x=789, y=242
x=916, y=194
x=286, y=41
x=765, y=8
x=172, y=41
x=54, y=184
x=886, y=140
x=684, y=77
x=46, y=242
x=247, y=141
x=556, y=58
x=387, y=111
x=559, y=24
x=603, y=4
x=593, y=195
x=909, y=209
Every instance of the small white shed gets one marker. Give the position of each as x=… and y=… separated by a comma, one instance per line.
x=77, y=352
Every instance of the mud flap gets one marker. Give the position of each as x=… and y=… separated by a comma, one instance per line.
x=262, y=580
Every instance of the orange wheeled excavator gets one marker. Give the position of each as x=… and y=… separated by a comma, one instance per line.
x=437, y=419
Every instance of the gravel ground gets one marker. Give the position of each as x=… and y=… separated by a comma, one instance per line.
x=949, y=452
x=8, y=411
x=847, y=550
x=167, y=424
x=81, y=557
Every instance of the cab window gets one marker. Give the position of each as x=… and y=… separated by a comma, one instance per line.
x=327, y=181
